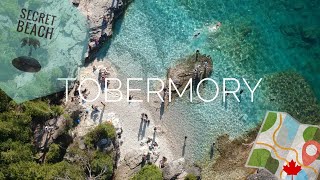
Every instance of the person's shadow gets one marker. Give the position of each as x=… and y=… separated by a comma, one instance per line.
x=101, y=114
x=184, y=147
x=143, y=133
x=225, y=104
x=211, y=151
x=94, y=115
x=161, y=110
x=140, y=129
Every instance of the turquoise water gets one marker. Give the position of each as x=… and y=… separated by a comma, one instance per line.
x=256, y=38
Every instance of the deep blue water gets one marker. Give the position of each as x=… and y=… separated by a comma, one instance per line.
x=256, y=38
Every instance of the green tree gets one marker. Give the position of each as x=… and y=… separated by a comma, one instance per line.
x=15, y=126
x=102, y=165
x=4, y=101
x=33, y=170
x=15, y=151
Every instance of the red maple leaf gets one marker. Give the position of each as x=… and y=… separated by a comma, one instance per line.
x=292, y=168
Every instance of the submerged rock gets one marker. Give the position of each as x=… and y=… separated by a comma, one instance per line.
x=291, y=93
x=298, y=5
x=289, y=30
x=310, y=34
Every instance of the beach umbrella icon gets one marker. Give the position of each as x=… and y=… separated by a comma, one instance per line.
x=28, y=63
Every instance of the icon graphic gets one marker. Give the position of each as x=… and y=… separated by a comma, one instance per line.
x=31, y=63
x=310, y=152
x=287, y=148
x=28, y=63
x=292, y=168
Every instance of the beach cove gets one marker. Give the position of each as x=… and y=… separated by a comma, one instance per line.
x=154, y=36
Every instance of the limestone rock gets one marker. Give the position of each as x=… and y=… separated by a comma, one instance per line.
x=81, y=144
x=195, y=67
x=133, y=159
x=262, y=174
x=174, y=169
x=100, y=15
x=130, y=165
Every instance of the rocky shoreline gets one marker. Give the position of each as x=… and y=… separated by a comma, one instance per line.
x=230, y=158
x=101, y=16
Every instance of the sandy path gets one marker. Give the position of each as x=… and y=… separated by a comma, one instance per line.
x=123, y=114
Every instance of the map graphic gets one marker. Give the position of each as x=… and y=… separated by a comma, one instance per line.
x=282, y=139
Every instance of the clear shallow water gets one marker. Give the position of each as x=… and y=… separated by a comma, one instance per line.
x=256, y=38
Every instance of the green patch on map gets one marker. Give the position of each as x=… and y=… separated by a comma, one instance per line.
x=262, y=158
x=271, y=119
x=309, y=133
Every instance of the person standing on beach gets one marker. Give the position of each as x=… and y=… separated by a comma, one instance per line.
x=130, y=98
x=143, y=116
x=147, y=119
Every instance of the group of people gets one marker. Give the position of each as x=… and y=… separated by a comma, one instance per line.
x=85, y=93
x=144, y=118
x=102, y=77
x=153, y=151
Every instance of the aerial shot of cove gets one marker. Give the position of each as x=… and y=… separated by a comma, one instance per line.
x=152, y=90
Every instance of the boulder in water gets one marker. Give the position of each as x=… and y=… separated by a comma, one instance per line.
x=195, y=67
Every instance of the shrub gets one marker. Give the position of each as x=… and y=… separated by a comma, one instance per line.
x=38, y=110
x=57, y=110
x=190, y=177
x=69, y=122
x=102, y=131
x=54, y=153
x=149, y=172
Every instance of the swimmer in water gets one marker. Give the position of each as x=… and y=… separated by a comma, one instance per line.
x=215, y=27
x=196, y=35
x=218, y=25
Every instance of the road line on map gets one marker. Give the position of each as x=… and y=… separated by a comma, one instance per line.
x=275, y=151
x=288, y=149
x=281, y=173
